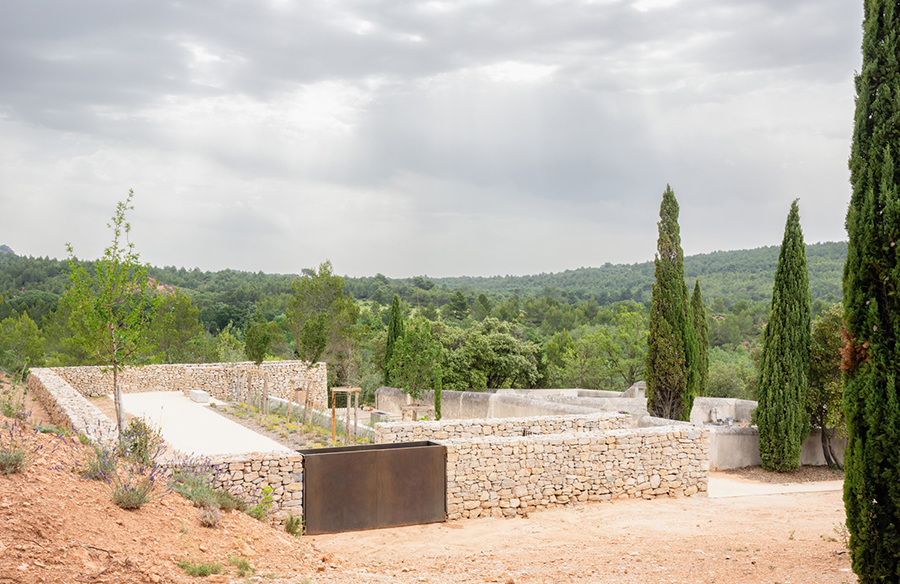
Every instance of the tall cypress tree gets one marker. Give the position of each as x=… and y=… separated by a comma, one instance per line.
x=871, y=354
x=672, y=345
x=394, y=332
x=784, y=367
x=701, y=329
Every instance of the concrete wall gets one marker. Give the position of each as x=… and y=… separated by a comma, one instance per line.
x=735, y=447
x=225, y=381
x=707, y=410
x=464, y=405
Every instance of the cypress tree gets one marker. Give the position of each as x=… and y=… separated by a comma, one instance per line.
x=672, y=345
x=784, y=367
x=871, y=353
x=701, y=328
x=394, y=332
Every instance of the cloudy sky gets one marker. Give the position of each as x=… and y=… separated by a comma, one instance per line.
x=470, y=137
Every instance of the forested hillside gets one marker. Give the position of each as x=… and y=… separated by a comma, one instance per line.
x=584, y=327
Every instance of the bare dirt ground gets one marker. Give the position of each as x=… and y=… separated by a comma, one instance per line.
x=58, y=528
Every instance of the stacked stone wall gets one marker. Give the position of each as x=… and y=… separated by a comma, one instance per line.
x=68, y=408
x=246, y=476
x=389, y=432
x=504, y=477
x=225, y=381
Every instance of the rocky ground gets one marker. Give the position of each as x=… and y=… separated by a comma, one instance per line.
x=58, y=528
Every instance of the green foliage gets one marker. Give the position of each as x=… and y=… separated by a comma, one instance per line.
x=825, y=396
x=457, y=308
x=21, y=344
x=141, y=443
x=260, y=510
x=784, y=369
x=194, y=481
x=394, y=332
x=12, y=402
x=175, y=330
x=319, y=312
x=101, y=463
x=701, y=330
x=110, y=306
x=132, y=492
x=200, y=569
x=872, y=305
x=227, y=348
x=416, y=364
x=257, y=339
x=732, y=374
x=293, y=525
x=672, y=352
x=490, y=354
x=244, y=568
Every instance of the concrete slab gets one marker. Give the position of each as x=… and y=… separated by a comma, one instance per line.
x=190, y=427
x=722, y=485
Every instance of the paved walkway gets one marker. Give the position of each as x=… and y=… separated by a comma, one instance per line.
x=190, y=427
x=724, y=485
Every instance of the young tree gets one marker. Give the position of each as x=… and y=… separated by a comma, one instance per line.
x=784, y=369
x=825, y=397
x=416, y=364
x=21, y=344
x=110, y=306
x=872, y=305
x=257, y=339
x=394, y=332
x=319, y=312
x=701, y=329
x=672, y=346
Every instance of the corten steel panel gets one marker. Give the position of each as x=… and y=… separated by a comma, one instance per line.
x=379, y=485
x=339, y=492
x=412, y=486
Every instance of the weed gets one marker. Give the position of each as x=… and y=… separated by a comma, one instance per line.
x=136, y=485
x=12, y=460
x=141, y=443
x=293, y=525
x=17, y=446
x=791, y=536
x=12, y=402
x=262, y=507
x=243, y=566
x=184, y=529
x=82, y=438
x=210, y=517
x=194, y=480
x=842, y=533
x=200, y=569
x=51, y=429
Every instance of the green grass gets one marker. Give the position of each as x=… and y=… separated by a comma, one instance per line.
x=243, y=566
x=200, y=569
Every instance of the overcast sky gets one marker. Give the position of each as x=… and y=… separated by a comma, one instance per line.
x=471, y=137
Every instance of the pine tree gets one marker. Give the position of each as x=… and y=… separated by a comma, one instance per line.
x=871, y=354
x=784, y=367
x=394, y=332
x=701, y=329
x=672, y=347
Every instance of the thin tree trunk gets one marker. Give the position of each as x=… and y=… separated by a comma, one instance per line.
x=117, y=394
x=826, y=451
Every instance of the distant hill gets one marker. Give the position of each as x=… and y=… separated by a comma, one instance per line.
x=731, y=275
x=6, y=249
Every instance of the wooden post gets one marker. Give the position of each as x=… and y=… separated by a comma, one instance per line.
x=333, y=419
x=266, y=394
x=308, y=413
x=290, y=399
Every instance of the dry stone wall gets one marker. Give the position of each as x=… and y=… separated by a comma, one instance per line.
x=68, y=408
x=504, y=477
x=225, y=381
x=247, y=475
x=499, y=427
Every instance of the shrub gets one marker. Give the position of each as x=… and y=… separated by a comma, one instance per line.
x=200, y=569
x=194, y=480
x=262, y=507
x=17, y=446
x=100, y=465
x=51, y=429
x=132, y=492
x=294, y=525
x=141, y=443
x=12, y=402
x=210, y=516
x=243, y=566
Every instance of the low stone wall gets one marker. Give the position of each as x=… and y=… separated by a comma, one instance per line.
x=504, y=477
x=68, y=408
x=225, y=381
x=246, y=476
x=386, y=433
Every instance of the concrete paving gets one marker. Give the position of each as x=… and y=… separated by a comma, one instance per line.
x=190, y=428
x=724, y=485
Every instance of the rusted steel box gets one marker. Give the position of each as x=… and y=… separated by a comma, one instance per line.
x=352, y=488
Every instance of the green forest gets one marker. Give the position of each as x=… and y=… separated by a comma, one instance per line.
x=578, y=328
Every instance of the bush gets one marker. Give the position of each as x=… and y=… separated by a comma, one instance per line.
x=262, y=507
x=210, y=516
x=132, y=492
x=12, y=460
x=17, y=446
x=141, y=443
x=243, y=566
x=101, y=464
x=293, y=525
x=12, y=402
x=194, y=480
